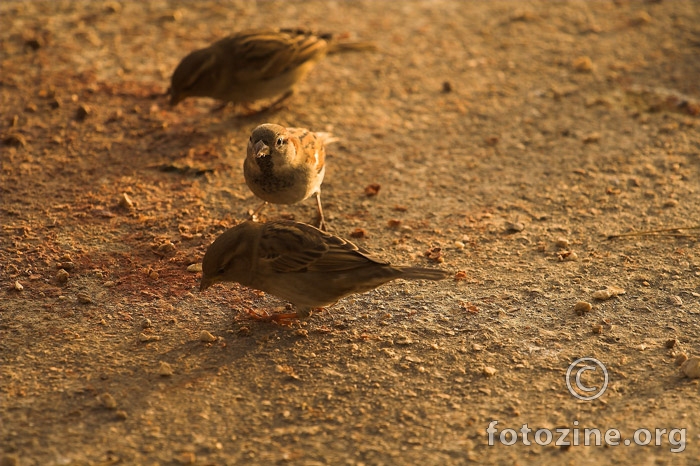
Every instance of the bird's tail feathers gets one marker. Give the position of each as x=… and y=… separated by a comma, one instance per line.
x=341, y=47
x=420, y=273
x=327, y=138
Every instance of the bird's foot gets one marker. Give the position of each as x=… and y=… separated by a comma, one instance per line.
x=280, y=318
x=255, y=214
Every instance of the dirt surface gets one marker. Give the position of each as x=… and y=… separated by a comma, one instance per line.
x=513, y=136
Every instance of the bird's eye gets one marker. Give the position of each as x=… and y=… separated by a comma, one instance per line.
x=280, y=141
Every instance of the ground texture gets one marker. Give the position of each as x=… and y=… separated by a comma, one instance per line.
x=502, y=141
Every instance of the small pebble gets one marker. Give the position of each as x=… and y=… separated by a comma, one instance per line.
x=404, y=341
x=568, y=256
x=609, y=292
x=670, y=203
x=145, y=337
x=146, y=323
x=592, y=137
x=597, y=329
x=166, y=247
x=62, y=276
x=108, y=401
x=675, y=300
x=125, y=202
x=121, y=415
x=671, y=343
x=691, y=368
x=562, y=242
x=206, y=337
x=112, y=7
x=18, y=286
x=358, y=233
x=488, y=371
x=435, y=255
x=66, y=265
x=194, y=268
x=583, y=64
x=680, y=359
x=582, y=307
x=82, y=112
x=515, y=226
x=165, y=369
x=187, y=457
x=640, y=18
x=84, y=298
x=372, y=190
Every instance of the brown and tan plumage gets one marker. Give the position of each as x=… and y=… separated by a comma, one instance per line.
x=286, y=165
x=254, y=65
x=299, y=263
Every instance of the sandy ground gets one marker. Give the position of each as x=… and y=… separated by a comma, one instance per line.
x=513, y=136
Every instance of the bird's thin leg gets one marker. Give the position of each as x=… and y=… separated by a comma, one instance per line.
x=256, y=212
x=321, y=219
x=281, y=100
x=247, y=110
x=274, y=106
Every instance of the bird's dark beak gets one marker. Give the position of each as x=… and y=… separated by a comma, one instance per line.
x=261, y=149
x=206, y=283
x=174, y=98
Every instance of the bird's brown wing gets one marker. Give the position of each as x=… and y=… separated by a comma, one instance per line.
x=342, y=255
x=289, y=247
x=267, y=53
x=311, y=145
x=295, y=247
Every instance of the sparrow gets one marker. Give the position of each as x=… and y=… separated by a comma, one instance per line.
x=254, y=64
x=299, y=263
x=286, y=165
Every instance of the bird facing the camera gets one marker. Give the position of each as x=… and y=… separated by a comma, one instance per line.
x=253, y=65
x=299, y=263
x=286, y=165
